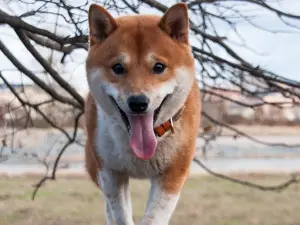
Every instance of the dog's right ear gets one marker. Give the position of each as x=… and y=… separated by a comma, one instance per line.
x=101, y=24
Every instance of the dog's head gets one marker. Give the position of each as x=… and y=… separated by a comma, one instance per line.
x=140, y=68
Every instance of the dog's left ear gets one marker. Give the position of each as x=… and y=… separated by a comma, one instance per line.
x=176, y=22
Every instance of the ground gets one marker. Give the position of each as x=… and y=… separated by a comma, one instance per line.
x=204, y=201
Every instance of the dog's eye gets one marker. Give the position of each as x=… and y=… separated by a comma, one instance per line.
x=158, y=68
x=118, y=69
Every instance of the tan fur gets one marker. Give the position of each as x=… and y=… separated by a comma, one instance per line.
x=137, y=42
x=143, y=29
x=187, y=129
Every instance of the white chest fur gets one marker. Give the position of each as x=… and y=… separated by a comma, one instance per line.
x=112, y=145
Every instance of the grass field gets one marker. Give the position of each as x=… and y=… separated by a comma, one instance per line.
x=204, y=201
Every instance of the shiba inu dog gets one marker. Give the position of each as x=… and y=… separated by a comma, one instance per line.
x=143, y=110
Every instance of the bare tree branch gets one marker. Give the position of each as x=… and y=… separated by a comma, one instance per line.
x=37, y=80
x=67, y=87
x=293, y=180
x=240, y=133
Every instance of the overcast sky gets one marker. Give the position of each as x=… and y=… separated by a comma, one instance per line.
x=279, y=52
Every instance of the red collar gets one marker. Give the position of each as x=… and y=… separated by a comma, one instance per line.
x=161, y=129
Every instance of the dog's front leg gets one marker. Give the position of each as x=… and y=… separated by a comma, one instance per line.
x=115, y=187
x=161, y=204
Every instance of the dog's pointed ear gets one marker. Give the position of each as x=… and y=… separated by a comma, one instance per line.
x=101, y=24
x=176, y=22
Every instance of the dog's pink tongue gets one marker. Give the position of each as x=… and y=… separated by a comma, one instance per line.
x=142, y=139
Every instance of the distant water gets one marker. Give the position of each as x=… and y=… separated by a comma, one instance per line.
x=244, y=165
x=224, y=155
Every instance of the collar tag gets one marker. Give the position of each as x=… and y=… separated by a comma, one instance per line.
x=172, y=125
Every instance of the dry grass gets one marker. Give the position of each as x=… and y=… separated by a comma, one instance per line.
x=204, y=201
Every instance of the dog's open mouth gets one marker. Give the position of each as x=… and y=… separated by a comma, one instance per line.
x=125, y=118
x=140, y=127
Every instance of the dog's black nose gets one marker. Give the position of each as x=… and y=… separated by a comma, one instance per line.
x=138, y=103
